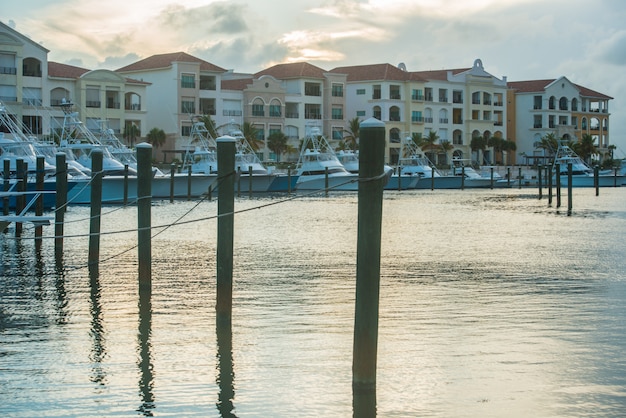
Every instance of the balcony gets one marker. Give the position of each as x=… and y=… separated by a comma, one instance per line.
x=93, y=103
x=8, y=70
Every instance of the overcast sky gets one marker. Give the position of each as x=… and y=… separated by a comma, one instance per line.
x=584, y=41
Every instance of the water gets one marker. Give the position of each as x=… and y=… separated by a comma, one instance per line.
x=492, y=304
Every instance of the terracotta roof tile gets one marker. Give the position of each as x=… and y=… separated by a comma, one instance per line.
x=373, y=72
x=56, y=69
x=292, y=70
x=440, y=75
x=166, y=60
x=236, y=84
x=538, y=86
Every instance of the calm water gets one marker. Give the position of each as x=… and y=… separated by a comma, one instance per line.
x=492, y=304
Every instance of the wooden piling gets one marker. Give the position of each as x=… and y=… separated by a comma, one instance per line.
x=549, y=177
x=144, y=215
x=326, y=180
x=508, y=176
x=462, y=177
x=569, y=189
x=60, y=202
x=557, y=168
x=539, y=182
x=519, y=177
x=596, y=179
x=188, y=182
x=21, y=175
x=289, y=180
x=432, y=177
x=39, y=185
x=370, y=206
x=225, y=227
x=6, y=185
x=96, y=208
x=125, y=184
x=172, y=179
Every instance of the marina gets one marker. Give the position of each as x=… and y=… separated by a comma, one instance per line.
x=493, y=303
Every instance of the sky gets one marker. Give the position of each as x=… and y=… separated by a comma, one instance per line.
x=582, y=40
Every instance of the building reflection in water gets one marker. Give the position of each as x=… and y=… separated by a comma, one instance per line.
x=146, y=378
x=225, y=374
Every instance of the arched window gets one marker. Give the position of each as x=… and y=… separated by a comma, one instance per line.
x=58, y=96
x=443, y=116
x=258, y=107
x=575, y=104
x=394, y=135
x=275, y=108
x=132, y=101
x=552, y=103
x=563, y=103
x=31, y=67
x=377, y=113
x=394, y=114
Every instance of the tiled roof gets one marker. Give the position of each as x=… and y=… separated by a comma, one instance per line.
x=538, y=86
x=373, y=72
x=166, y=60
x=236, y=84
x=56, y=69
x=292, y=70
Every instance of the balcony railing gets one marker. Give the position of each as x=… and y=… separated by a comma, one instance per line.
x=8, y=70
x=93, y=103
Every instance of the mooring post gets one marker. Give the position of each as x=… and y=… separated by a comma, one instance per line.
x=60, y=202
x=39, y=203
x=569, y=189
x=370, y=208
x=326, y=180
x=144, y=215
x=7, y=185
x=21, y=175
x=172, y=178
x=508, y=176
x=549, y=177
x=491, y=178
x=189, y=182
x=96, y=208
x=249, y=181
x=125, y=184
x=289, y=181
x=432, y=177
x=557, y=169
x=225, y=226
x=238, y=181
x=539, y=172
x=519, y=177
x=462, y=177
x=596, y=179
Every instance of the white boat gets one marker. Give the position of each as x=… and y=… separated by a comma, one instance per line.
x=472, y=179
x=414, y=163
x=350, y=160
x=318, y=166
x=582, y=173
x=254, y=176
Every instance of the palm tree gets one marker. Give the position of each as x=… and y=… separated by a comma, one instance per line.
x=509, y=145
x=549, y=143
x=430, y=143
x=477, y=145
x=351, y=140
x=418, y=139
x=252, y=136
x=586, y=147
x=156, y=137
x=497, y=144
x=131, y=132
x=445, y=147
x=277, y=142
x=210, y=125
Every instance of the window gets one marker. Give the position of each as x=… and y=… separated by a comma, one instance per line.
x=92, y=97
x=376, y=92
x=275, y=109
x=537, y=102
x=312, y=89
x=360, y=92
x=428, y=94
x=476, y=98
x=337, y=90
x=443, y=96
x=337, y=113
x=185, y=130
x=188, y=81
x=360, y=113
x=394, y=92
x=258, y=109
x=394, y=114
x=207, y=82
x=416, y=116
x=457, y=96
x=337, y=133
x=417, y=94
x=312, y=111
x=188, y=105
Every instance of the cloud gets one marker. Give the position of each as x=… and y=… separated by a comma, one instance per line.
x=613, y=49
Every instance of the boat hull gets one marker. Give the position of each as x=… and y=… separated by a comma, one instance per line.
x=335, y=183
x=402, y=182
x=588, y=181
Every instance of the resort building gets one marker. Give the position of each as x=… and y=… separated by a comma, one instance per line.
x=555, y=106
x=455, y=105
x=37, y=92
x=462, y=111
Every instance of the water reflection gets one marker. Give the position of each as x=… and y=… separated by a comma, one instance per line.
x=225, y=373
x=146, y=379
x=97, y=331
